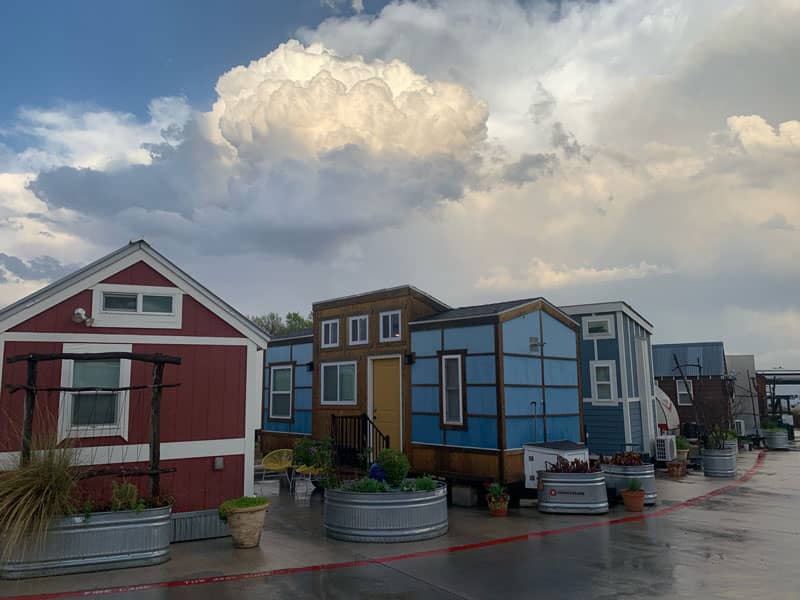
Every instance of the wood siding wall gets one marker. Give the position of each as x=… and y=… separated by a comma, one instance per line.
x=711, y=398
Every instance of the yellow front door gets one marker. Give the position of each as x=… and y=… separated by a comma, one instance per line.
x=386, y=405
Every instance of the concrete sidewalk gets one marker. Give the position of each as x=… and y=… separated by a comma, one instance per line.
x=294, y=537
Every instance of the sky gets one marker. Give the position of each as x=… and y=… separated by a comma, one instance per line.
x=288, y=152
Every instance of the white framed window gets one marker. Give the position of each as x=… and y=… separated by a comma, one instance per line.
x=136, y=306
x=338, y=383
x=604, y=380
x=280, y=392
x=330, y=333
x=358, y=328
x=452, y=390
x=391, y=330
x=685, y=392
x=598, y=328
x=94, y=413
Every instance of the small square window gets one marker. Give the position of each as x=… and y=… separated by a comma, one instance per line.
x=390, y=326
x=338, y=383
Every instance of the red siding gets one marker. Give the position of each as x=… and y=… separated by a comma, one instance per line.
x=139, y=274
x=197, y=320
x=209, y=404
x=195, y=485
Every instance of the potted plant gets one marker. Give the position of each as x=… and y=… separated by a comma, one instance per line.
x=624, y=466
x=683, y=448
x=718, y=461
x=245, y=518
x=633, y=496
x=497, y=499
x=576, y=487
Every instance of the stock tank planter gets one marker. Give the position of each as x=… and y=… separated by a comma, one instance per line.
x=777, y=439
x=581, y=493
x=719, y=462
x=732, y=445
x=386, y=516
x=618, y=476
x=99, y=542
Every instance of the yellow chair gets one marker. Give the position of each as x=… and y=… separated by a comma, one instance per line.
x=309, y=472
x=279, y=461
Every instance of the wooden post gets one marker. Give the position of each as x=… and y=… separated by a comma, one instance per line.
x=155, y=431
x=27, y=418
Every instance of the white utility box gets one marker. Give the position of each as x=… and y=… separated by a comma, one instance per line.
x=538, y=456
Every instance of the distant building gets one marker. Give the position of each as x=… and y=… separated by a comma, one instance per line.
x=749, y=397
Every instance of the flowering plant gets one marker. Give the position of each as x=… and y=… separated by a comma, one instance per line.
x=495, y=491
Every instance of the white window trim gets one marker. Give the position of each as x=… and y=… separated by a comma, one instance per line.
x=322, y=383
x=599, y=336
x=389, y=313
x=138, y=319
x=272, y=370
x=612, y=367
x=350, y=320
x=689, y=388
x=445, y=418
x=120, y=429
x=322, y=343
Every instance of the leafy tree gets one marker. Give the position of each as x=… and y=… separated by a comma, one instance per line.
x=275, y=325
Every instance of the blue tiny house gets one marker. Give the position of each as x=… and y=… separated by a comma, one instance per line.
x=287, y=389
x=617, y=377
x=487, y=379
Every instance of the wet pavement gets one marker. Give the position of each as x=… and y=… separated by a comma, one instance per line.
x=743, y=543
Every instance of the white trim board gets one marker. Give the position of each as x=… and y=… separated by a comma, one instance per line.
x=254, y=387
x=137, y=319
x=608, y=307
x=623, y=371
x=121, y=338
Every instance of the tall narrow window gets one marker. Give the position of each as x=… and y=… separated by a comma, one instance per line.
x=684, y=387
x=330, y=333
x=390, y=326
x=604, y=381
x=338, y=383
x=280, y=393
x=452, y=392
x=358, y=330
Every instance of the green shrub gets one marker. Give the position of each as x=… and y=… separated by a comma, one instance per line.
x=681, y=443
x=395, y=466
x=367, y=486
x=230, y=506
x=494, y=490
x=314, y=453
x=634, y=485
x=424, y=484
x=125, y=496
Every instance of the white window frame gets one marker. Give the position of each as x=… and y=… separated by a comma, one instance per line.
x=137, y=319
x=390, y=313
x=609, y=319
x=445, y=417
x=120, y=428
x=322, y=325
x=612, y=367
x=272, y=370
x=338, y=389
x=350, y=320
x=688, y=391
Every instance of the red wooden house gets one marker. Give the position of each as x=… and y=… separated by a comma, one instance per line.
x=135, y=300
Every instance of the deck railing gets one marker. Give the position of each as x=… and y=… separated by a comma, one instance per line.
x=357, y=441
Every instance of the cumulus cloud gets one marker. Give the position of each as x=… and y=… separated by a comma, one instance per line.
x=543, y=275
x=40, y=268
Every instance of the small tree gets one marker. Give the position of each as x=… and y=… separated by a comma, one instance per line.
x=275, y=325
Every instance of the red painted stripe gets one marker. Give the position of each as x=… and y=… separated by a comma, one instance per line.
x=388, y=559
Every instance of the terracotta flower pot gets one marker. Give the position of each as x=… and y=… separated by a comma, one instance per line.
x=676, y=469
x=634, y=500
x=246, y=525
x=498, y=507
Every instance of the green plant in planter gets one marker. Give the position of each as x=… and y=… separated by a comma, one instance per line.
x=394, y=465
x=367, y=486
x=495, y=491
x=716, y=439
x=682, y=443
x=125, y=496
x=230, y=506
x=424, y=484
x=634, y=485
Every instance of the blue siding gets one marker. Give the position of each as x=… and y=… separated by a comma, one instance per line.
x=302, y=376
x=564, y=428
x=425, y=370
x=517, y=333
x=710, y=354
x=424, y=399
x=302, y=399
x=278, y=354
x=560, y=372
x=587, y=355
x=562, y=401
x=474, y=340
x=302, y=353
x=636, y=425
x=426, y=343
x=518, y=400
x=301, y=381
x=605, y=428
x=425, y=429
x=559, y=340
x=518, y=370
x=481, y=432
x=523, y=431
x=481, y=400
x=480, y=369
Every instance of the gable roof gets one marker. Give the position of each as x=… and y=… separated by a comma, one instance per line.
x=114, y=262
x=609, y=307
x=490, y=311
x=710, y=355
x=398, y=290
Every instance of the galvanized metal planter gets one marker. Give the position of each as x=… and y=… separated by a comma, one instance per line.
x=719, y=462
x=618, y=476
x=197, y=525
x=103, y=541
x=583, y=493
x=386, y=516
x=777, y=440
x=732, y=445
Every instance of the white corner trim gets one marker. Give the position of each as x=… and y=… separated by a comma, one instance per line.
x=120, y=428
x=623, y=367
x=111, y=338
x=137, y=319
x=252, y=419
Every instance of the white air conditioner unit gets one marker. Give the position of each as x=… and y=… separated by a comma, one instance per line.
x=738, y=426
x=665, y=448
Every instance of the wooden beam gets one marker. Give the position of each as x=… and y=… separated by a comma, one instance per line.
x=27, y=417
x=151, y=358
x=16, y=387
x=155, y=430
x=135, y=472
